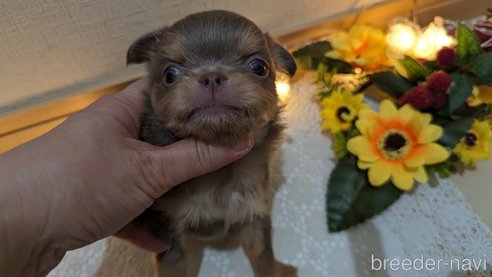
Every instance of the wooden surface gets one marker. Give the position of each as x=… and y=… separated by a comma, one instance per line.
x=24, y=125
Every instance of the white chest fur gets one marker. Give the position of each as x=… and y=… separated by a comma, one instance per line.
x=237, y=207
x=232, y=195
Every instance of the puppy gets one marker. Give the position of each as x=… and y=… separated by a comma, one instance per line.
x=212, y=77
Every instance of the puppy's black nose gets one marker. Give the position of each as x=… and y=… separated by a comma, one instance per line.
x=212, y=80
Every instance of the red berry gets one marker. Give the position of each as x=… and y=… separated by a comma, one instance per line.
x=439, y=100
x=439, y=82
x=446, y=57
x=419, y=97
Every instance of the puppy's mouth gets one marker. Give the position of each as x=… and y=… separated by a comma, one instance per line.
x=214, y=110
x=214, y=123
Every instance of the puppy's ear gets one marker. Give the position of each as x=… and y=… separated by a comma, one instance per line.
x=144, y=48
x=283, y=59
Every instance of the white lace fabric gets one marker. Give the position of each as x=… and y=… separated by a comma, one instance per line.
x=433, y=222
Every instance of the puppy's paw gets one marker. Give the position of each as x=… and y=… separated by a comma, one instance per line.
x=285, y=270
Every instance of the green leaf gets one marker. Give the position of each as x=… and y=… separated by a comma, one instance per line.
x=465, y=111
x=453, y=130
x=339, y=145
x=392, y=83
x=461, y=89
x=482, y=68
x=444, y=111
x=351, y=199
x=415, y=70
x=468, y=43
x=316, y=49
x=339, y=142
x=444, y=169
x=338, y=66
x=311, y=55
x=305, y=62
x=432, y=65
x=332, y=65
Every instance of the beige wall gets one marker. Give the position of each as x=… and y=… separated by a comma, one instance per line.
x=53, y=48
x=47, y=45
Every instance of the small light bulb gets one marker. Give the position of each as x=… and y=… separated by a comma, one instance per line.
x=424, y=48
x=283, y=89
x=433, y=39
x=402, y=37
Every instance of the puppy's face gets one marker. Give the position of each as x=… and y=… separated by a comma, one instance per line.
x=212, y=75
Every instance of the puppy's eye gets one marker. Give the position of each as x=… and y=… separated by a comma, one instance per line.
x=171, y=74
x=259, y=67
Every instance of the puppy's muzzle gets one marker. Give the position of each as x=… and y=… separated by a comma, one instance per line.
x=212, y=81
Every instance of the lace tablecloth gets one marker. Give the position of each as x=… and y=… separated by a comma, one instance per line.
x=432, y=223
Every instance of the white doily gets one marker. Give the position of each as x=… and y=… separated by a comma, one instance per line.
x=431, y=223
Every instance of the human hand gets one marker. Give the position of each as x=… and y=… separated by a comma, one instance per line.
x=88, y=178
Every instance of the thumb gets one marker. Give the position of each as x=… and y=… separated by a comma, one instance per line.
x=164, y=168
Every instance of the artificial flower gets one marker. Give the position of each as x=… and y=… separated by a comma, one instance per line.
x=446, y=57
x=419, y=97
x=361, y=46
x=340, y=110
x=439, y=81
x=480, y=95
x=475, y=145
x=396, y=144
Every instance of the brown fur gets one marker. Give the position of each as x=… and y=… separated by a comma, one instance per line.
x=230, y=207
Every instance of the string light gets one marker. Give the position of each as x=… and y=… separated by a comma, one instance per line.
x=402, y=36
x=407, y=38
x=283, y=87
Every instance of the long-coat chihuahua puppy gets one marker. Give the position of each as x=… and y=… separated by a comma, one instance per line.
x=212, y=77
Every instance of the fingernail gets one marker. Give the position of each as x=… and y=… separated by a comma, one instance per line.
x=244, y=145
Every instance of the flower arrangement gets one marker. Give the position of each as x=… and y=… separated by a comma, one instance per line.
x=434, y=119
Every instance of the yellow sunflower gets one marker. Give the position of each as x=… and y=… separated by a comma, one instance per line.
x=340, y=110
x=475, y=145
x=480, y=95
x=361, y=46
x=396, y=143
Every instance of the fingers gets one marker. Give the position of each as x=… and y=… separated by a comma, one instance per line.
x=142, y=238
x=166, y=167
x=126, y=107
x=135, y=92
x=134, y=96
